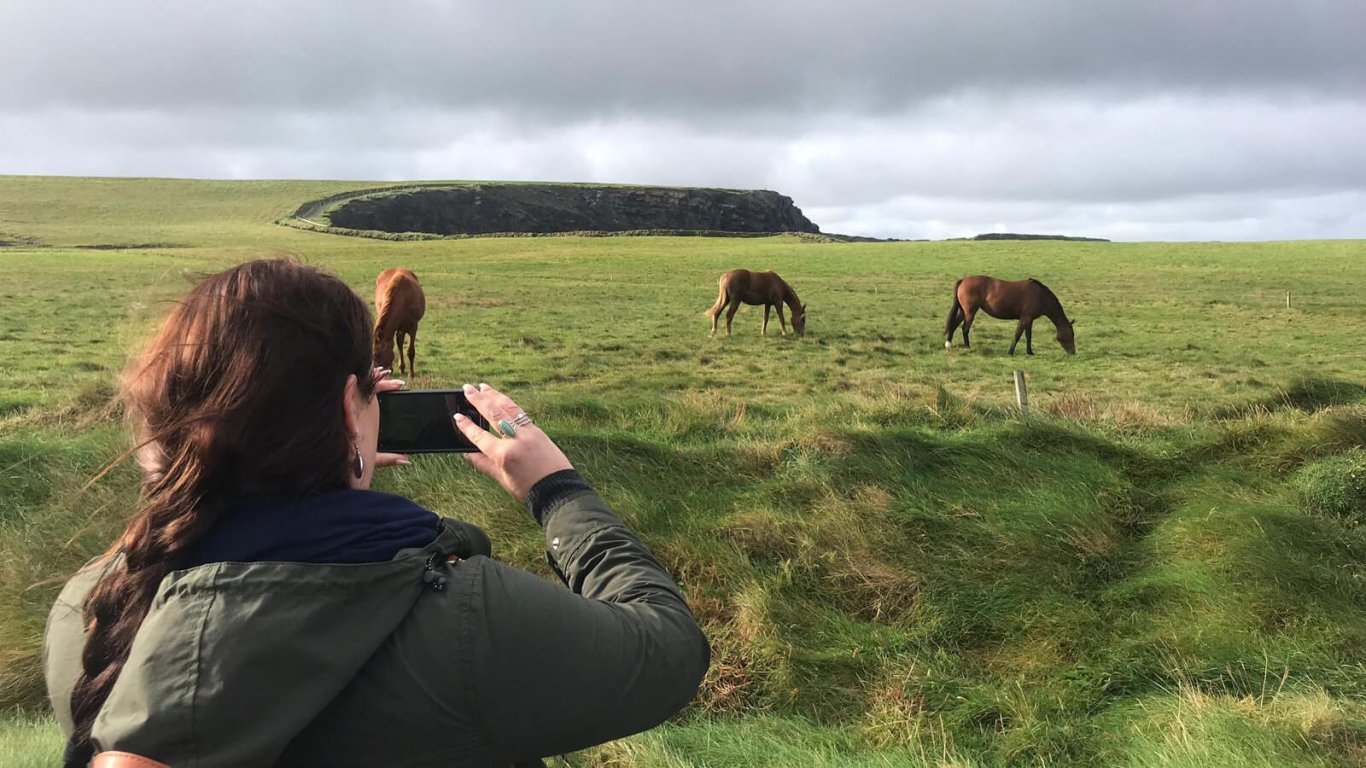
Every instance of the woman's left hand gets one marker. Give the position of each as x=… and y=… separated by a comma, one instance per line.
x=385, y=384
x=520, y=458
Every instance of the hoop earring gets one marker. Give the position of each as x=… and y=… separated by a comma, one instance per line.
x=357, y=462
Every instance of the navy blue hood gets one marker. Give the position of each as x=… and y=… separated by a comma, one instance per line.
x=348, y=526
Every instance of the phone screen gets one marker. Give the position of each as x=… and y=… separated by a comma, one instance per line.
x=420, y=421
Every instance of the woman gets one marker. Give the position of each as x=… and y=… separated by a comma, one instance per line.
x=263, y=607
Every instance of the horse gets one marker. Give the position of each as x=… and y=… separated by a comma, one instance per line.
x=399, y=305
x=743, y=286
x=1022, y=300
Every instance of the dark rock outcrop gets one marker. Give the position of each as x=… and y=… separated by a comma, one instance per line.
x=480, y=209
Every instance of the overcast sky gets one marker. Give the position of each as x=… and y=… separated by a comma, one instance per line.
x=1151, y=120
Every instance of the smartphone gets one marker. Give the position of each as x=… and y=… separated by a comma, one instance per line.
x=421, y=421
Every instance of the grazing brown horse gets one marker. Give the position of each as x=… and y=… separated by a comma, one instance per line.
x=1022, y=300
x=741, y=286
x=399, y=304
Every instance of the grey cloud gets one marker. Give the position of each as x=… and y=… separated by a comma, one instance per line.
x=1056, y=147
x=629, y=57
x=1133, y=120
x=953, y=167
x=1233, y=216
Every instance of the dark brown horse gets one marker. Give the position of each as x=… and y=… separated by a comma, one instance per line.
x=741, y=286
x=1022, y=300
x=399, y=305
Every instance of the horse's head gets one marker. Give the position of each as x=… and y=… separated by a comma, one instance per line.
x=382, y=347
x=1065, y=336
x=799, y=321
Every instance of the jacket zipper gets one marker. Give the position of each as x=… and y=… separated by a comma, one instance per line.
x=429, y=575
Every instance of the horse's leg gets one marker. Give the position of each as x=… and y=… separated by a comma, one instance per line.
x=968, y=317
x=398, y=358
x=955, y=318
x=954, y=321
x=730, y=314
x=412, y=353
x=1029, y=338
x=1019, y=330
x=389, y=343
x=782, y=320
x=763, y=330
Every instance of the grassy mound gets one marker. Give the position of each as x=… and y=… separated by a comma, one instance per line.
x=1335, y=486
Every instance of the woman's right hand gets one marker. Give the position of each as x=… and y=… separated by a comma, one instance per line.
x=517, y=463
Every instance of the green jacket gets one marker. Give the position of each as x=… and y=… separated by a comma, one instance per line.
x=410, y=662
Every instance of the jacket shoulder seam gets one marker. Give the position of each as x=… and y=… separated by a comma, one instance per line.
x=198, y=666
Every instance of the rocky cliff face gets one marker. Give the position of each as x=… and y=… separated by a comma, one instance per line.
x=481, y=209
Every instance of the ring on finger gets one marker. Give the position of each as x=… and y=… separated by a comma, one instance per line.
x=522, y=419
x=508, y=428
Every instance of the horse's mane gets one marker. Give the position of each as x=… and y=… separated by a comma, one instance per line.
x=383, y=317
x=1051, y=297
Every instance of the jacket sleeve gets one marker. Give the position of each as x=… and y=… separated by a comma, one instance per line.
x=556, y=670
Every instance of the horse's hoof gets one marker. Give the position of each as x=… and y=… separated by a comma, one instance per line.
x=948, y=345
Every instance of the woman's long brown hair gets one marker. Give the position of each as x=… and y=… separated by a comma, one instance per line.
x=240, y=394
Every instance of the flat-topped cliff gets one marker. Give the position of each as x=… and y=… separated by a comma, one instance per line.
x=481, y=209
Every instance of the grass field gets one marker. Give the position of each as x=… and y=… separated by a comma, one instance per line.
x=1163, y=566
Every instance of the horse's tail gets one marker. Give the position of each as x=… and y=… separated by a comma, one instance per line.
x=955, y=313
x=720, y=298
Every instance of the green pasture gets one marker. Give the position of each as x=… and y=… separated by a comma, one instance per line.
x=1162, y=566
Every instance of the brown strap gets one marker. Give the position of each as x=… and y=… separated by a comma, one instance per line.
x=124, y=760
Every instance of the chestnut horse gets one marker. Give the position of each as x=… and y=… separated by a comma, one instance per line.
x=743, y=286
x=1022, y=300
x=399, y=304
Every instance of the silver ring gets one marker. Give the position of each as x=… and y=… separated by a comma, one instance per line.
x=522, y=419
x=507, y=428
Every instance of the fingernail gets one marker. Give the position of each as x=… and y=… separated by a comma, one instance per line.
x=404, y=463
x=469, y=389
x=484, y=387
x=400, y=382
x=461, y=417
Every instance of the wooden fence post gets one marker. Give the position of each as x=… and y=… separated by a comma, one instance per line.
x=1021, y=392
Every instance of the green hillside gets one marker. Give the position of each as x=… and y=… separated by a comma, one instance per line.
x=1162, y=566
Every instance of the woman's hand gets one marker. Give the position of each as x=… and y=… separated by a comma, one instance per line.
x=385, y=384
x=516, y=462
